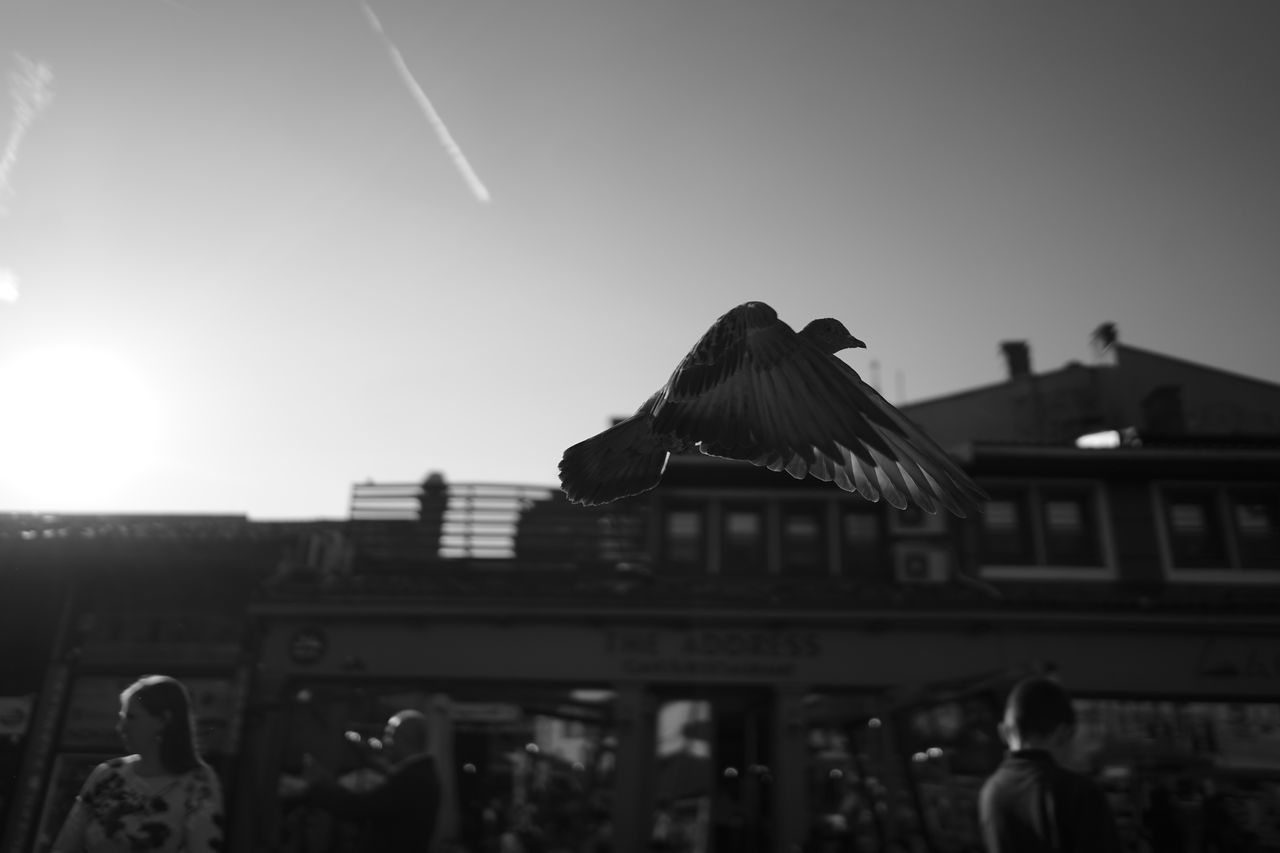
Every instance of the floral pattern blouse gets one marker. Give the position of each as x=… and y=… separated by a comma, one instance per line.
x=119, y=811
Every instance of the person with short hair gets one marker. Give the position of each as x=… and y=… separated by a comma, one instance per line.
x=399, y=814
x=163, y=797
x=1031, y=803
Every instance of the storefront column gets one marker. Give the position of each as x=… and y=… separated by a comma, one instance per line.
x=791, y=756
x=634, y=777
x=255, y=810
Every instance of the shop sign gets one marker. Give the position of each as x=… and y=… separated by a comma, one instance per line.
x=712, y=651
x=174, y=638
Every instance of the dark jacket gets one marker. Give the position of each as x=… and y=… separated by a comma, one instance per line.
x=399, y=816
x=1032, y=805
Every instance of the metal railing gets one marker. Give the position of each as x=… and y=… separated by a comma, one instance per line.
x=499, y=521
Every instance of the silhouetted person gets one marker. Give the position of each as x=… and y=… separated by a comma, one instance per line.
x=1031, y=803
x=433, y=502
x=399, y=815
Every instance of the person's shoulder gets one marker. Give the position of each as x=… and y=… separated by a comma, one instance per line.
x=994, y=783
x=116, y=766
x=112, y=769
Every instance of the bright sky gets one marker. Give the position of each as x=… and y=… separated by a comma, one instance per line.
x=248, y=273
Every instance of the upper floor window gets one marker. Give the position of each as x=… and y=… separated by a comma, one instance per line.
x=804, y=538
x=1069, y=527
x=1209, y=531
x=684, y=538
x=1044, y=530
x=743, y=546
x=861, y=540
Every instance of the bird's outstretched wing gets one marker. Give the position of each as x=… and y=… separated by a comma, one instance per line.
x=914, y=470
x=754, y=389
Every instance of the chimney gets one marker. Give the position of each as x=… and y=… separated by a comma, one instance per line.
x=1017, y=354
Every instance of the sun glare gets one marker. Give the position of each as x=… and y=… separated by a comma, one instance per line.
x=77, y=425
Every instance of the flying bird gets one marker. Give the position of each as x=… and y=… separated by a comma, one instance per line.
x=754, y=389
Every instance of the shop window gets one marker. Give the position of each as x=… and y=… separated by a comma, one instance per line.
x=804, y=538
x=684, y=538
x=860, y=540
x=1043, y=530
x=951, y=744
x=713, y=773
x=744, y=546
x=537, y=760
x=1215, y=769
x=1209, y=530
x=850, y=763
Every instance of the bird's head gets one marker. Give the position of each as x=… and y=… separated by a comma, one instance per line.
x=830, y=334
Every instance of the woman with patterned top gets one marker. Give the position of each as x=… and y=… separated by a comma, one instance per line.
x=160, y=799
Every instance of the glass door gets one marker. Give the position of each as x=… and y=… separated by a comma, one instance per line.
x=713, y=775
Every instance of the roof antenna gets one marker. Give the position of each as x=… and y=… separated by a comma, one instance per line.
x=1103, y=342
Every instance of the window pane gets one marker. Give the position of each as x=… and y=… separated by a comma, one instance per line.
x=804, y=539
x=1195, y=534
x=684, y=540
x=744, y=550
x=1006, y=530
x=1256, y=514
x=860, y=540
x=713, y=775
x=1070, y=534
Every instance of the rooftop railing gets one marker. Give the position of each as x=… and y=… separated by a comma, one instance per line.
x=499, y=521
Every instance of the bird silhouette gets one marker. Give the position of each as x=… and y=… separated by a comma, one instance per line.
x=753, y=389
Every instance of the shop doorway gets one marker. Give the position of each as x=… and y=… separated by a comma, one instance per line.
x=714, y=770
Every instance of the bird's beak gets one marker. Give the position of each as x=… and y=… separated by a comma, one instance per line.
x=853, y=343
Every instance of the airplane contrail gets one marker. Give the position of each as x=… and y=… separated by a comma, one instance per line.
x=446, y=139
x=31, y=88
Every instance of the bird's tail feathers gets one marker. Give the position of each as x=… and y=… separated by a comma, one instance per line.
x=624, y=460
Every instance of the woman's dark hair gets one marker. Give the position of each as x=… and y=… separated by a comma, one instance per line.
x=1039, y=706
x=161, y=695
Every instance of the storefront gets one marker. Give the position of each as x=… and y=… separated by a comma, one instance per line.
x=748, y=731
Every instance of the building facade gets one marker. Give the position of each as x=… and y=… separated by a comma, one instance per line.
x=736, y=661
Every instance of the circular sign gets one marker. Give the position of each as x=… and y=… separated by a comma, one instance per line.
x=308, y=645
